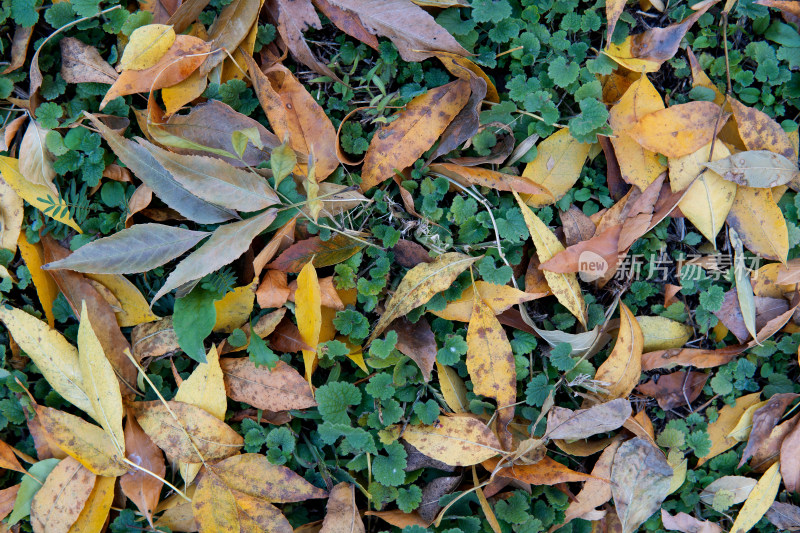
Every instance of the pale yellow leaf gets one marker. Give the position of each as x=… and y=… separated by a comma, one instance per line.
x=11, y=215
x=557, y=166
x=497, y=297
x=458, y=440
x=453, y=388
x=758, y=502
x=145, y=46
x=718, y=430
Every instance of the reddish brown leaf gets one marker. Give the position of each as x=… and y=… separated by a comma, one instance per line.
x=143, y=489
x=416, y=340
x=273, y=291
x=286, y=338
x=764, y=420
x=279, y=389
x=697, y=357
x=325, y=253
x=676, y=389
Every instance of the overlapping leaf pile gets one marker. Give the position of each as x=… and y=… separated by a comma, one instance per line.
x=410, y=335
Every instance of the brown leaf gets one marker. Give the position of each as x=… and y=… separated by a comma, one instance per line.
x=7, y=498
x=325, y=253
x=596, y=491
x=329, y=296
x=7, y=458
x=409, y=254
x=400, y=143
x=347, y=22
x=593, y=257
x=577, y=226
x=82, y=63
x=292, y=18
x=273, y=291
x=295, y=115
x=77, y=289
x=784, y=516
x=142, y=488
x=429, y=506
x=286, y=338
x=770, y=448
x=697, y=357
x=467, y=123
x=279, y=389
x=489, y=178
x=564, y=423
x=688, y=523
x=212, y=124
x=790, y=460
x=416, y=340
x=19, y=48
x=676, y=389
x=415, y=33
x=547, y=471
x=282, y=239
x=640, y=479
x=342, y=514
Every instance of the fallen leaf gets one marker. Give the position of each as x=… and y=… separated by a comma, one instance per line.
x=596, y=491
x=727, y=420
x=338, y=248
x=100, y=382
x=279, y=389
x=273, y=290
x=557, y=166
x=416, y=128
x=490, y=362
x=759, y=500
x=760, y=132
x=640, y=479
x=135, y=309
x=547, y=471
x=660, y=333
x=564, y=286
x=254, y=475
x=622, y=370
x=759, y=222
x=52, y=354
x=677, y=389
x=453, y=388
x=39, y=196
x=82, y=63
x=738, y=487
x=182, y=430
x=225, y=245
x=329, y=296
x=35, y=160
x=11, y=217
x=697, y=357
x=497, y=297
x=59, y=502
x=680, y=129
x=87, y=443
x=413, y=31
x=140, y=487
x=784, y=516
x=459, y=440
x=342, y=515
x=308, y=310
x=490, y=178
x=234, y=309
x=146, y=45
x=417, y=341
x=348, y=22
x=564, y=423
x=757, y=168
x=688, y=524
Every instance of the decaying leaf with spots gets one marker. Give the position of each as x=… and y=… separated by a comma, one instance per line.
x=758, y=220
x=490, y=362
x=279, y=389
x=459, y=440
x=342, y=514
x=188, y=433
x=564, y=423
x=59, y=502
x=756, y=168
x=680, y=129
x=497, y=297
x=557, y=166
x=398, y=145
x=419, y=285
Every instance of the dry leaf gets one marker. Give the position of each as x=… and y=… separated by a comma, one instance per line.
x=556, y=168
x=342, y=515
x=564, y=423
x=140, y=487
x=622, y=369
x=146, y=45
x=279, y=389
x=680, y=129
x=759, y=501
x=459, y=440
x=59, y=501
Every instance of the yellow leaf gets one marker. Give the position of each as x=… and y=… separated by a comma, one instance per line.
x=46, y=288
x=490, y=361
x=759, y=131
x=135, y=309
x=683, y=170
x=564, y=286
x=58, y=503
x=679, y=130
x=146, y=46
x=759, y=501
x=11, y=214
x=459, y=440
x=639, y=100
x=420, y=284
x=741, y=431
x=186, y=91
x=759, y=222
x=400, y=143
x=679, y=468
x=453, y=388
x=39, y=196
x=497, y=297
x=234, y=68
x=709, y=199
x=235, y=307
x=637, y=165
x=308, y=310
x=456, y=65
x=623, y=368
x=623, y=55
x=87, y=443
x=53, y=355
x=718, y=430
x=204, y=388
x=557, y=166
x=100, y=381
x=214, y=506
x=660, y=333
x=94, y=513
